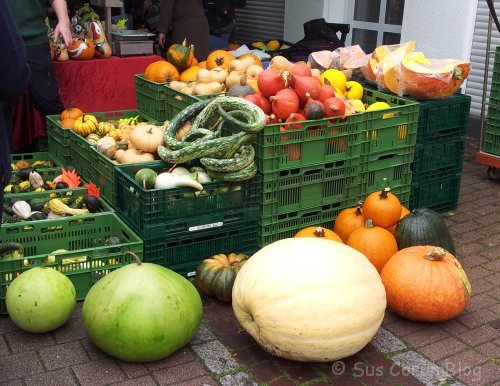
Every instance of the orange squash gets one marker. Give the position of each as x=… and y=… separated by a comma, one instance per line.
x=383, y=208
x=71, y=113
x=376, y=243
x=348, y=220
x=219, y=58
x=189, y=74
x=318, y=231
x=426, y=284
x=161, y=71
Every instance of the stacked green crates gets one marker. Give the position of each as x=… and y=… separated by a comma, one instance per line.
x=439, y=153
x=180, y=226
x=312, y=173
x=491, y=135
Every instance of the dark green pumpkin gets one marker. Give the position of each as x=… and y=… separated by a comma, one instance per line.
x=215, y=276
x=424, y=227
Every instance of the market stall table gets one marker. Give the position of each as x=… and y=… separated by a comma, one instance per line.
x=94, y=85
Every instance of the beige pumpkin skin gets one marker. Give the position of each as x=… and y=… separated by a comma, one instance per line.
x=309, y=299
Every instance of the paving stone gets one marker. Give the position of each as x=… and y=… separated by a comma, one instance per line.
x=387, y=342
x=481, y=285
x=71, y=331
x=480, y=301
x=59, y=377
x=303, y=373
x=421, y=368
x=146, y=380
x=4, y=349
x=179, y=373
x=443, y=348
x=464, y=361
x=489, y=349
x=472, y=261
x=20, y=341
x=404, y=327
x=426, y=336
x=479, y=335
x=181, y=356
x=488, y=373
x=94, y=352
x=452, y=326
x=216, y=357
x=63, y=355
x=133, y=370
x=477, y=318
x=477, y=273
x=202, y=381
x=265, y=372
x=6, y=325
x=203, y=334
x=100, y=372
x=282, y=382
x=238, y=379
x=20, y=365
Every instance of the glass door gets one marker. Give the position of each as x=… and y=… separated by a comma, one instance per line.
x=375, y=22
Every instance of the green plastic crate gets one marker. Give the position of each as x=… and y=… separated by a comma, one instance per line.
x=145, y=208
x=445, y=152
x=183, y=251
x=83, y=157
x=150, y=98
x=439, y=192
x=388, y=129
x=280, y=226
x=491, y=133
x=310, y=187
x=59, y=143
x=60, y=193
x=37, y=156
x=83, y=239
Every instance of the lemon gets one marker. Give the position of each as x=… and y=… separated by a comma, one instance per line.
x=258, y=44
x=273, y=45
x=380, y=106
x=354, y=90
x=334, y=77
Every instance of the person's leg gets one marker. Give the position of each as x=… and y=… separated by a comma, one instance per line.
x=43, y=88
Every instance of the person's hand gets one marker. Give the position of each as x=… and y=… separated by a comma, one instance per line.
x=63, y=29
x=161, y=40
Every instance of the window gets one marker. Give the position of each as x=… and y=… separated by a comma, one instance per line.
x=375, y=22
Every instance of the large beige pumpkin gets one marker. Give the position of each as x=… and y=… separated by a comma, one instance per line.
x=309, y=299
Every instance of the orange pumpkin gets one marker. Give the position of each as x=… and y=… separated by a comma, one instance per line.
x=67, y=123
x=219, y=58
x=318, y=231
x=71, y=113
x=376, y=243
x=426, y=284
x=404, y=212
x=348, y=220
x=202, y=64
x=383, y=208
x=81, y=49
x=161, y=71
x=250, y=55
x=180, y=55
x=189, y=74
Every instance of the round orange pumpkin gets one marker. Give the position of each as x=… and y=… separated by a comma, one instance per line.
x=219, y=58
x=376, y=243
x=426, y=284
x=161, y=71
x=383, y=208
x=71, y=113
x=320, y=232
x=348, y=220
x=189, y=74
x=81, y=49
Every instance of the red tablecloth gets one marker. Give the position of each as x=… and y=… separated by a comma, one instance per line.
x=94, y=85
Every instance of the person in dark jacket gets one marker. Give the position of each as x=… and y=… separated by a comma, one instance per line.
x=14, y=78
x=184, y=19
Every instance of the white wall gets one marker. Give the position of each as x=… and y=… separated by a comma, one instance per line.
x=441, y=28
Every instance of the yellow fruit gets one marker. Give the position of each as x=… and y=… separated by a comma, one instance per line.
x=258, y=44
x=273, y=45
x=334, y=77
x=380, y=106
x=354, y=90
x=358, y=105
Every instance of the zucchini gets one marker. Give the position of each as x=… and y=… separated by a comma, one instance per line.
x=11, y=250
x=238, y=175
x=242, y=159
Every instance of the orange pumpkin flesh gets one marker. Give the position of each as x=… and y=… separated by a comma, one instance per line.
x=376, y=243
x=348, y=220
x=383, y=208
x=426, y=284
x=314, y=231
x=426, y=79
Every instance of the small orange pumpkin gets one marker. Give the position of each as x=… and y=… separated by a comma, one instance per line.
x=161, y=71
x=426, y=284
x=383, y=208
x=404, y=212
x=376, y=243
x=71, y=113
x=189, y=74
x=348, y=220
x=318, y=231
x=67, y=123
x=219, y=58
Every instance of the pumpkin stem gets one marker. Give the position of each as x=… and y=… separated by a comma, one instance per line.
x=384, y=193
x=436, y=254
x=369, y=223
x=184, y=42
x=139, y=262
x=319, y=232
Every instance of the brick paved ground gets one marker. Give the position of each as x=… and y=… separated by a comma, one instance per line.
x=461, y=351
